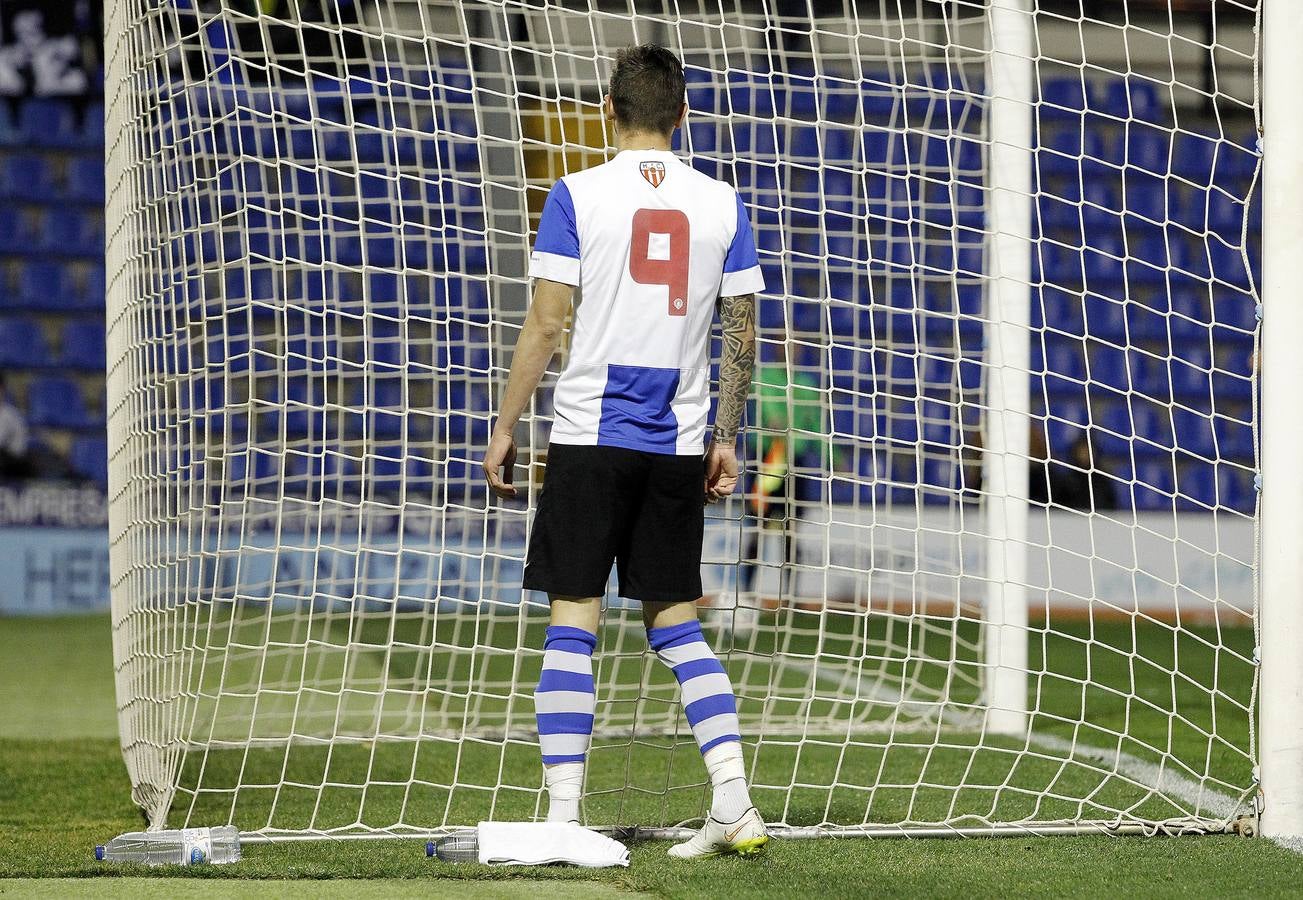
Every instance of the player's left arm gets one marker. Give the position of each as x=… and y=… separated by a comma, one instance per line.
x=534, y=348
x=737, y=317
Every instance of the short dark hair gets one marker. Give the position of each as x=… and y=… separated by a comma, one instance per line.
x=647, y=88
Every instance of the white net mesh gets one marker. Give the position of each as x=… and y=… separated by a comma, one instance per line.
x=318, y=224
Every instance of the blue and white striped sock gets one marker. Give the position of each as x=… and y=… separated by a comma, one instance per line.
x=563, y=705
x=711, y=708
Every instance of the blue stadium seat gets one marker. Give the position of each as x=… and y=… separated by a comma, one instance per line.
x=1194, y=432
x=1132, y=97
x=454, y=84
x=1065, y=425
x=1105, y=317
x=880, y=98
x=309, y=474
x=41, y=284
x=839, y=101
x=92, y=126
x=57, y=402
x=383, y=473
x=1192, y=156
x=1064, y=98
x=1113, y=430
x=1153, y=487
x=87, y=291
x=1064, y=356
x=1144, y=323
x=1146, y=196
x=25, y=177
x=1109, y=367
x=1103, y=262
x=1228, y=264
x=1191, y=373
x=1235, y=488
x=9, y=131
x=1149, y=375
x=246, y=468
x=705, y=138
x=22, y=344
x=1057, y=213
x=86, y=180
x=1196, y=485
x=701, y=89
x=1059, y=265
x=797, y=95
x=751, y=94
x=89, y=458
x=71, y=231
x=1235, y=310
x=1226, y=214
x=1149, y=260
x=1237, y=159
x=1234, y=438
x=1148, y=148
x=754, y=139
x=83, y=345
x=46, y=121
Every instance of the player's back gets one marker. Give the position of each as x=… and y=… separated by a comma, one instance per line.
x=651, y=243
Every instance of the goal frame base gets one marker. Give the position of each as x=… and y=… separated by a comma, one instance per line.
x=1246, y=826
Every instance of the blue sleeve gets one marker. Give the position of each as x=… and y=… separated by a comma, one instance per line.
x=557, y=233
x=742, y=252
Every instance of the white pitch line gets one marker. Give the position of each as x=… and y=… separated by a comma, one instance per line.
x=1159, y=779
x=1293, y=844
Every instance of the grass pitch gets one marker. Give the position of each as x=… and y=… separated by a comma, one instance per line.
x=63, y=788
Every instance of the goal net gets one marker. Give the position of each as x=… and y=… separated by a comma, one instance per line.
x=993, y=566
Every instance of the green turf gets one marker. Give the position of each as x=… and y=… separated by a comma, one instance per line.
x=352, y=889
x=1179, y=696
x=63, y=788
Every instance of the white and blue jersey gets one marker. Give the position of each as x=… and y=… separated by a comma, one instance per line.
x=650, y=243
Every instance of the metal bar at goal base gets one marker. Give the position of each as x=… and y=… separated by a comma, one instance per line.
x=633, y=833
x=1280, y=586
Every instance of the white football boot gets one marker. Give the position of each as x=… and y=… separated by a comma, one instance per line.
x=745, y=837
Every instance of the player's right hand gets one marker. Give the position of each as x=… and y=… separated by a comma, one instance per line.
x=721, y=472
x=500, y=465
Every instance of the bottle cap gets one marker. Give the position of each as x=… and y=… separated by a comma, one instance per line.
x=99, y=853
x=429, y=848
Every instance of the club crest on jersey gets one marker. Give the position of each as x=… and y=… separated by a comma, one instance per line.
x=653, y=171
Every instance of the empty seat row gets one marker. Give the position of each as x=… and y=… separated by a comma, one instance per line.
x=32, y=178
x=1109, y=263
x=1151, y=484
x=80, y=345
x=48, y=283
x=52, y=122
x=58, y=402
x=55, y=230
x=88, y=458
x=917, y=95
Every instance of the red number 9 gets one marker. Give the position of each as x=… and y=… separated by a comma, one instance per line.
x=671, y=271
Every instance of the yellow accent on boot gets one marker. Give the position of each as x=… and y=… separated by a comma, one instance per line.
x=752, y=846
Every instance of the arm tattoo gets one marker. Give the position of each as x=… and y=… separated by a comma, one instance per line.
x=737, y=315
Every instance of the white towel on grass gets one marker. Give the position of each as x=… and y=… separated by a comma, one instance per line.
x=541, y=843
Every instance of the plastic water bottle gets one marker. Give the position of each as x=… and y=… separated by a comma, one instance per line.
x=178, y=847
x=458, y=847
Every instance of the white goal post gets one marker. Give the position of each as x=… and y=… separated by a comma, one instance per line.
x=1025, y=264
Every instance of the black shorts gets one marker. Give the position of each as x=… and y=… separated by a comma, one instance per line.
x=603, y=505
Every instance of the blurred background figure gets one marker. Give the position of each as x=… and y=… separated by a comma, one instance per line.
x=14, y=438
x=1074, y=484
x=787, y=428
